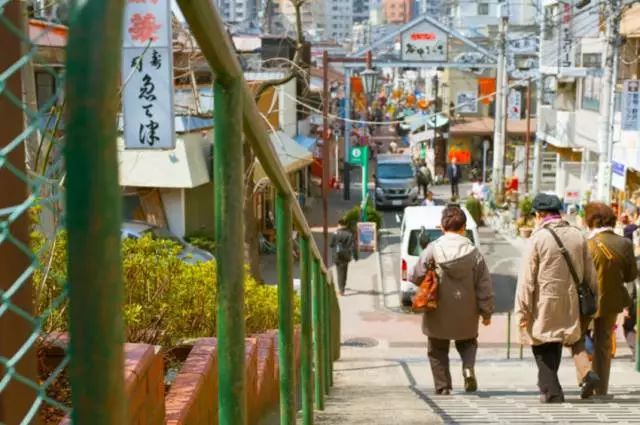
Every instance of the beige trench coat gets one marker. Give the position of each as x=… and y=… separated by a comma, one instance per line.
x=546, y=296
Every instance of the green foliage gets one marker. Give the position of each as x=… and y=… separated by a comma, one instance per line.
x=203, y=242
x=474, y=206
x=352, y=217
x=166, y=299
x=526, y=206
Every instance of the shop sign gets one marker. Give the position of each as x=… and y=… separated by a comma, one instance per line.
x=618, y=175
x=424, y=43
x=631, y=105
x=367, y=240
x=147, y=75
x=515, y=105
x=572, y=196
x=467, y=102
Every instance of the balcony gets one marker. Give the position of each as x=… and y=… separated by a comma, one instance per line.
x=557, y=127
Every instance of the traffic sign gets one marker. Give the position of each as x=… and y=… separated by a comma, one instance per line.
x=358, y=155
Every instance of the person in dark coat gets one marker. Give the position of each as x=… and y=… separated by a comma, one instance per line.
x=343, y=250
x=454, y=174
x=465, y=296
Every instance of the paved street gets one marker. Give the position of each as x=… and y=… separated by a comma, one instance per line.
x=383, y=376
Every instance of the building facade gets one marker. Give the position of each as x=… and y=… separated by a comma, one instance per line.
x=397, y=11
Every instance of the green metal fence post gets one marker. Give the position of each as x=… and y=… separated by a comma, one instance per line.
x=318, y=360
x=306, y=343
x=326, y=334
x=229, y=178
x=284, y=223
x=93, y=214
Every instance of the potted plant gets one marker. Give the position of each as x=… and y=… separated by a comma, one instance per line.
x=525, y=222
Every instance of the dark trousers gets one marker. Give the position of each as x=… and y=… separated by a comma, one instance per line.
x=602, y=330
x=424, y=188
x=438, y=351
x=548, y=358
x=342, y=275
x=455, y=192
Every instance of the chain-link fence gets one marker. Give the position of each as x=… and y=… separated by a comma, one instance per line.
x=33, y=292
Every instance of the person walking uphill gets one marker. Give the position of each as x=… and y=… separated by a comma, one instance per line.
x=342, y=243
x=547, y=307
x=615, y=264
x=465, y=296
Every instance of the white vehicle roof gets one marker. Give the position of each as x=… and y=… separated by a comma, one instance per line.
x=429, y=217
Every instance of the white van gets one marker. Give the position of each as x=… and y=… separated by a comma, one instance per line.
x=417, y=220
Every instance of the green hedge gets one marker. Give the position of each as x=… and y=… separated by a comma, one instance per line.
x=166, y=299
x=352, y=217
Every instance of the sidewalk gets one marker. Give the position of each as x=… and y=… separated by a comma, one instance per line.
x=384, y=377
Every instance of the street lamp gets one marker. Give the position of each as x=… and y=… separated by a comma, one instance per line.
x=370, y=81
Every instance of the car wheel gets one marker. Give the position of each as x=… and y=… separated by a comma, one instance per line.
x=406, y=299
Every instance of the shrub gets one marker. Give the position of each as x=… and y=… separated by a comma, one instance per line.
x=526, y=206
x=352, y=217
x=166, y=299
x=203, y=242
x=474, y=206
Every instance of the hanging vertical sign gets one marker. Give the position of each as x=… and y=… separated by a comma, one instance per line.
x=147, y=75
x=514, y=105
x=631, y=105
x=565, y=55
x=618, y=175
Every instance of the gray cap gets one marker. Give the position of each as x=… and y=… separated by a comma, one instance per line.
x=545, y=202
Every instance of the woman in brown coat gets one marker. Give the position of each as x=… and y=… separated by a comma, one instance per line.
x=615, y=264
x=465, y=297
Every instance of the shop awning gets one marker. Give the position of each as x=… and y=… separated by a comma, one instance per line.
x=483, y=126
x=292, y=156
x=306, y=142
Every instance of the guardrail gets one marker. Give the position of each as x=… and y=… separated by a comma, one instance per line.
x=94, y=229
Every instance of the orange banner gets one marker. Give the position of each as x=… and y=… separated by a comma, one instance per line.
x=356, y=85
x=487, y=90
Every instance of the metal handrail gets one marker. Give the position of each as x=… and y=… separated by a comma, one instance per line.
x=93, y=222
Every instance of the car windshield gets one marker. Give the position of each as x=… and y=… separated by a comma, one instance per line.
x=395, y=171
x=430, y=235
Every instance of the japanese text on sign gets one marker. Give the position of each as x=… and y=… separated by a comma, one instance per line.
x=147, y=76
x=424, y=42
x=631, y=105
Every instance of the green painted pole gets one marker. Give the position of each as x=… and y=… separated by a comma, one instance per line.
x=93, y=214
x=307, y=340
x=317, y=334
x=326, y=335
x=365, y=182
x=229, y=182
x=284, y=223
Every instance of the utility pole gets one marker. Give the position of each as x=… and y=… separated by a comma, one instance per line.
x=326, y=152
x=527, y=138
x=502, y=90
x=605, y=132
x=537, y=147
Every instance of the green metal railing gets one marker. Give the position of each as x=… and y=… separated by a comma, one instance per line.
x=94, y=289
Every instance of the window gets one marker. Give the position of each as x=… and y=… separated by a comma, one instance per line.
x=428, y=235
x=483, y=9
x=45, y=87
x=591, y=88
x=592, y=60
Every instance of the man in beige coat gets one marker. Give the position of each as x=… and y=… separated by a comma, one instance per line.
x=465, y=297
x=547, y=306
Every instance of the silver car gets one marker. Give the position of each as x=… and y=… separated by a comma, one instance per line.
x=395, y=180
x=189, y=254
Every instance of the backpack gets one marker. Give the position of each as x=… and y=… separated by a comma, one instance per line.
x=424, y=175
x=342, y=253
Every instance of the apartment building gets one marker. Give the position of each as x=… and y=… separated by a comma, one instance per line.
x=312, y=14
x=338, y=20
x=361, y=9
x=238, y=11
x=397, y=11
